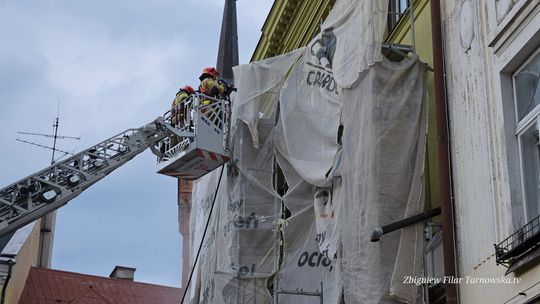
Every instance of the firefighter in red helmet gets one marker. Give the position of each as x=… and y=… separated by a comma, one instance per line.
x=178, y=108
x=210, y=85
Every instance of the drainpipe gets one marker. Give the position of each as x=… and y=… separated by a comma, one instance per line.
x=447, y=208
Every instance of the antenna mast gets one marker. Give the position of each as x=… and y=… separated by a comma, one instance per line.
x=48, y=221
x=54, y=136
x=55, y=125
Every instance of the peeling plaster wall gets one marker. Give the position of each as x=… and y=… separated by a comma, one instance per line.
x=484, y=43
x=468, y=94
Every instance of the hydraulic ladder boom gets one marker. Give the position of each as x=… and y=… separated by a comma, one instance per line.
x=188, y=142
x=38, y=194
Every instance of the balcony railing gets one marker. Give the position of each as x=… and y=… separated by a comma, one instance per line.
x=519, y=243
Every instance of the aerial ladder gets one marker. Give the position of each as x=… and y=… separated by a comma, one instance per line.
x=189, y=141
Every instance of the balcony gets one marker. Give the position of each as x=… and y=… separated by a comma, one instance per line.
x=519, y=246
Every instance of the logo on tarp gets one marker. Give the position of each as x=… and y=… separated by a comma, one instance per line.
x=324, y=48
x=314, y=259
x=322, y=52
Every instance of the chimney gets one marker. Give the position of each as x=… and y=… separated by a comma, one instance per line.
x=123, y=273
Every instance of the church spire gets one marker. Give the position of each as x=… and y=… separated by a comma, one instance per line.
x=228, y=42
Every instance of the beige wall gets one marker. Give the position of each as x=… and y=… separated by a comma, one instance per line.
x=508, y=293
x=27, y=251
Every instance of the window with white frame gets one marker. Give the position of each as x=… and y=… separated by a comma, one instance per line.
x=527, y=108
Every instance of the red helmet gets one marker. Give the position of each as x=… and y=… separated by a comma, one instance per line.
x=211, y=71
x=188, y=89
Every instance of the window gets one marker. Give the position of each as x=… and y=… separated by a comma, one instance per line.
x=396, y=10
x=523, y=246
x=527, y=110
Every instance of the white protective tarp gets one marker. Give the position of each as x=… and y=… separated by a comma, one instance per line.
x=382, y=172
x=305, y=146
x=358, y=26
x=248, y=236
x=311, y=99
x=337, y=194
x=327, y=202
x=240, y=250
x=258, y=87
x=304, y=266
x=310, y=105
x=377, y=178
x=203, y=191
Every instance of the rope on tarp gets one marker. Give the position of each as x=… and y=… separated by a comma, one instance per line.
x=186, y=288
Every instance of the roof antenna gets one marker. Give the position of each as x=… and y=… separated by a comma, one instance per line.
x=54, y=136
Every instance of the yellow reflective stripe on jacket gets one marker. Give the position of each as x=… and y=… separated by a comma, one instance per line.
x=210, y=85
x=180, y=96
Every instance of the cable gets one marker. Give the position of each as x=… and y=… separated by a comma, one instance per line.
x=186, y=288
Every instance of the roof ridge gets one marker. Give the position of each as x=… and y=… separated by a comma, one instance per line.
x=103, y=278
x=77, y=300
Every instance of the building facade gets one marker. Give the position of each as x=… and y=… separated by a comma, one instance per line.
x=492, y=70
x=18, y=255
x=492, y=67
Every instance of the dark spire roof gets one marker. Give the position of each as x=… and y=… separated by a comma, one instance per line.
x=228, y=42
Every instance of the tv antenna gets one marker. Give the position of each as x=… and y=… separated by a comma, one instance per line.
x=54, y=136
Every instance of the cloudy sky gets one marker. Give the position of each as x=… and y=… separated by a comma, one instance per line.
x=111, y=65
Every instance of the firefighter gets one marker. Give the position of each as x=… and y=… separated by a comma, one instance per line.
x=178, y=109
x=210, y=85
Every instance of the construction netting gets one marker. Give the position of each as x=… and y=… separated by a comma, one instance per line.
x=311, y=242
x=241, y=249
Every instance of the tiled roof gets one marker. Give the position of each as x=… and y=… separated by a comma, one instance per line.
x=47, y=286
